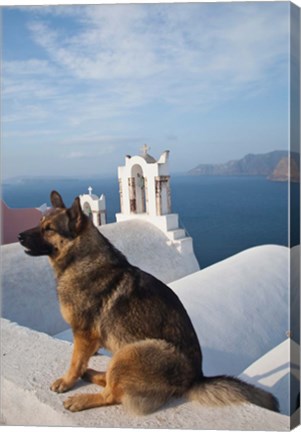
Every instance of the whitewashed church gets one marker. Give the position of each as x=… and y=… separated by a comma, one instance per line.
x=146, y=219
x=144, y=188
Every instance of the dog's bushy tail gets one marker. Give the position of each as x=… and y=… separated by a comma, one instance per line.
x=226, y=390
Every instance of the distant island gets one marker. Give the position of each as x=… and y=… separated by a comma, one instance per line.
x=273, y=165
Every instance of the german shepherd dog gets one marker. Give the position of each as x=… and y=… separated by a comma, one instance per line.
x=112, y=304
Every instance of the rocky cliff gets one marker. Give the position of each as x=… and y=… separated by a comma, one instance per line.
x=273, y=165
x=282, y=173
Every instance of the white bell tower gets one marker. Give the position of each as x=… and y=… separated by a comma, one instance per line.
x=94, y=207
x=144, y=185
x=144, y=188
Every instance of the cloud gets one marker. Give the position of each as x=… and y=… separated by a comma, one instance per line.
x=76, y=155
x=93, y=146
x=102, y=150
x=111, y=75
x=30, y=67
x=121, y=57
x=169, y=52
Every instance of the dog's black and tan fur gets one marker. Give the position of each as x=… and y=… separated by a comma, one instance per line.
x=110, y=303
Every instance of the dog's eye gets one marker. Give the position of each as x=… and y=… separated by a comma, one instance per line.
x=48, y=228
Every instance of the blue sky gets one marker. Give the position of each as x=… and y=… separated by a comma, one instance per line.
x=82, y=86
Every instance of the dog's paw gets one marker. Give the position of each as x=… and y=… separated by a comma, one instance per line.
x=75, y=403
x=60, y=385
x=95, y=377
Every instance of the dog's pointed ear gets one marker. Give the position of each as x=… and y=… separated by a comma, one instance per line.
x=77, y=217
x=56, y=200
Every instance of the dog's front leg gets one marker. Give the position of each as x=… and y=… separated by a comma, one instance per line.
x=84, y=347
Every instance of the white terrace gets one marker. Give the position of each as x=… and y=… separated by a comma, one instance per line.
x=239, y=308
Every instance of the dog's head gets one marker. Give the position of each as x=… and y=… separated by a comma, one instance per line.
x=57, y=229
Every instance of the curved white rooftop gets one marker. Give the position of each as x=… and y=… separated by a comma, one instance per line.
x=148, y=158
x=147, y=247
x=277, y=371
x=29, y=291
x=239, y=307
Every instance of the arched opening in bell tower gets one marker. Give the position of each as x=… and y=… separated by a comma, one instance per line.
x=138, y=190
x=87, y=210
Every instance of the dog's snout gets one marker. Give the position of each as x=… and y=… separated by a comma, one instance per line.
x=23, y=238
x=34, y=243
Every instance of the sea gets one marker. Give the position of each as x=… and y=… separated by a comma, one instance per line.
x=223, y=215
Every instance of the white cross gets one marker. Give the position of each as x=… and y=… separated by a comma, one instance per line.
x=90, y=190
x=145, y=149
